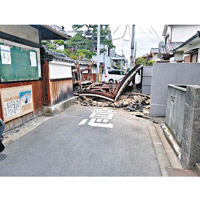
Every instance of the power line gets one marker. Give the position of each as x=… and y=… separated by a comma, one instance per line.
x=155, y=33
x=123, y=34
x=154, y=36
x=147, y=36
x=116, y=29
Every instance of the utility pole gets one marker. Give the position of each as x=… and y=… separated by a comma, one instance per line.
x=132, y=46
x=135, y=51
x=98, y=53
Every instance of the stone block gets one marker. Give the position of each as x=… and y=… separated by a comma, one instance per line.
x=185, y=147
x=190, y=93
x=196, y=116
x=185, y=160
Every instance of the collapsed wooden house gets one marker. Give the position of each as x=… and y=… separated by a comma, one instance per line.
x=108, y=91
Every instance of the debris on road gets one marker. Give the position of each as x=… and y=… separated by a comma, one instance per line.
x=78, y=76
x=137, y=103
x=112, y=95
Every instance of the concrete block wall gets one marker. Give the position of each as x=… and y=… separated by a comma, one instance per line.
x=175, y=110
x=170, y=73
x=146, y=79
x=190, y=148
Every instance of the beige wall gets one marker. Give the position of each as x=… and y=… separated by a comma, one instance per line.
x=23, y=31
x=181, y=33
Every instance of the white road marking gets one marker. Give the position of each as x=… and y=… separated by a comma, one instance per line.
x=92, y=115
x=83, y=122
x=100, y=118
x=92, y=123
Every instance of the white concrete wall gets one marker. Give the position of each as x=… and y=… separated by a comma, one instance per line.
x=21, y=31
x=181, y=33
x=60, y=70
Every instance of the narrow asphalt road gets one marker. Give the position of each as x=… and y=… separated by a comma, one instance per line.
x=84, y=141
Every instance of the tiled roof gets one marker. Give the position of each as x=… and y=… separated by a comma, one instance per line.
x=169, y=47
x=47, y=53
x=50, y=55
x=173, y=45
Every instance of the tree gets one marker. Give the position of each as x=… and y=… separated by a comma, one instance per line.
x=83, y=44
x=86, y=37
x=118, y=65
x=144, y=62
x=150, y=62
x=141, y=60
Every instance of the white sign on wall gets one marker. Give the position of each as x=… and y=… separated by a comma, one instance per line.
x=33, y=59
x=11, y=108
x=5, y=55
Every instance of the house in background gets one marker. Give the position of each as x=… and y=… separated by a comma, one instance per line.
x=154, y=52
x=105, y=58
x=189, y=51
x=173, y=38
x=118, y=58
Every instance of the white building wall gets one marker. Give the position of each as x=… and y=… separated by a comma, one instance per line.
x=60, y=70
x=181, y=33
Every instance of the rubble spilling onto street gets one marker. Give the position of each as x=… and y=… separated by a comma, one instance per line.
x=136, y=103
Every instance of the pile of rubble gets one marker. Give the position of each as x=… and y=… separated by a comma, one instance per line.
x=137, y=103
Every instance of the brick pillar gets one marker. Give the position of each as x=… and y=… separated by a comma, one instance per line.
x=190, y=147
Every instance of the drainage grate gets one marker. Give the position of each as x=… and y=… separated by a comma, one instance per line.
x=2, y=157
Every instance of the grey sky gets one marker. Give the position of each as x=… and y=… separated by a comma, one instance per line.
x=144, y=36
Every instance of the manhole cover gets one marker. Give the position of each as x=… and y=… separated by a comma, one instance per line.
x=2, y=157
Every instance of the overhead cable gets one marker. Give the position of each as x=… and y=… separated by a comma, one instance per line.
x=123, y=34
x=155, y=33
x=148, y=36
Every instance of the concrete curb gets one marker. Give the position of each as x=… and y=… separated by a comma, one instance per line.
x=173, y=159
x=171, y=140
x=53, y=110
x=159, y=149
